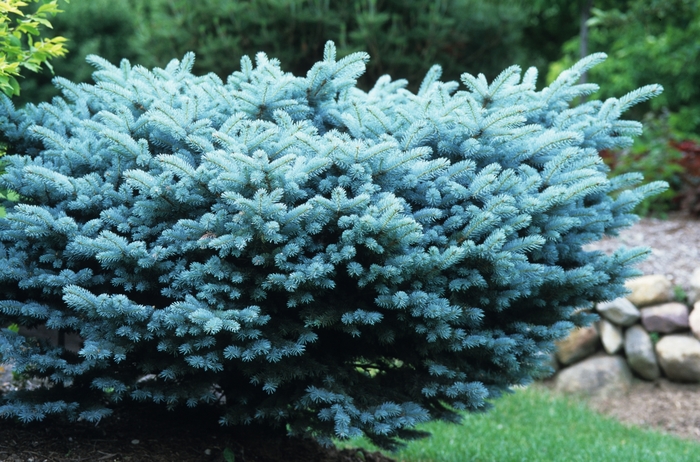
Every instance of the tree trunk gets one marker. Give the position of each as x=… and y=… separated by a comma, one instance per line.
x=586, y=7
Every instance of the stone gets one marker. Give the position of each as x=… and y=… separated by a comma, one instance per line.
x=694, y=320
x=665, y=318
x=548, y=360
x=619, y=311
x=679, y=357
x=552, y=362
x=581, y=343
x=601, y=376
x=639, y=350
x=649, y=290
x=610, y=336
x=694, y=292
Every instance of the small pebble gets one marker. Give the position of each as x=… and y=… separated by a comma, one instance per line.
x=207, y=452
x=135, y=441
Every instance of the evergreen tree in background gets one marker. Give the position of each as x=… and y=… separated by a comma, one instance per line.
x=403, y=37
x=298, y=253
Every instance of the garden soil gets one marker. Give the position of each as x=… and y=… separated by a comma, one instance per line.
x=154, y=437
x=151, y=435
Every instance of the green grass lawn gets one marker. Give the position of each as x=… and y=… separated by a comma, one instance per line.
x=534, y=425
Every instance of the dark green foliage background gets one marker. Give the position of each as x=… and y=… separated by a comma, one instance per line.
x=404, y=37
x=648, y=41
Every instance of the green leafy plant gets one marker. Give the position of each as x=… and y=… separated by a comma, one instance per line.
x=101, y=27
x=689, y=195
x=665, y=154
x=679, y=294
x=20, y=42
x=21, y=47
x=653, y=156
x=229, y=456
x=654, y=40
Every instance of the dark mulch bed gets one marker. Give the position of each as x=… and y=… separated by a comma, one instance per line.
x=151, y=435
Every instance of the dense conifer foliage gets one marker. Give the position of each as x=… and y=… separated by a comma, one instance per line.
x=296, y=252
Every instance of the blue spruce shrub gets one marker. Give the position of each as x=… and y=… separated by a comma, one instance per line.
x=295, y=252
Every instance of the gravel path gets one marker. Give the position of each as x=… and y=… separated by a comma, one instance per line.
x=671, y=407
x=674, y=243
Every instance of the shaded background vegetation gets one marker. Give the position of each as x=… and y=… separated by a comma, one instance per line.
x=649, y=41
x=403, y=37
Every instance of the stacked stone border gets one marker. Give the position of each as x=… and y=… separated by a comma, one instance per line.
x=648, y=334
